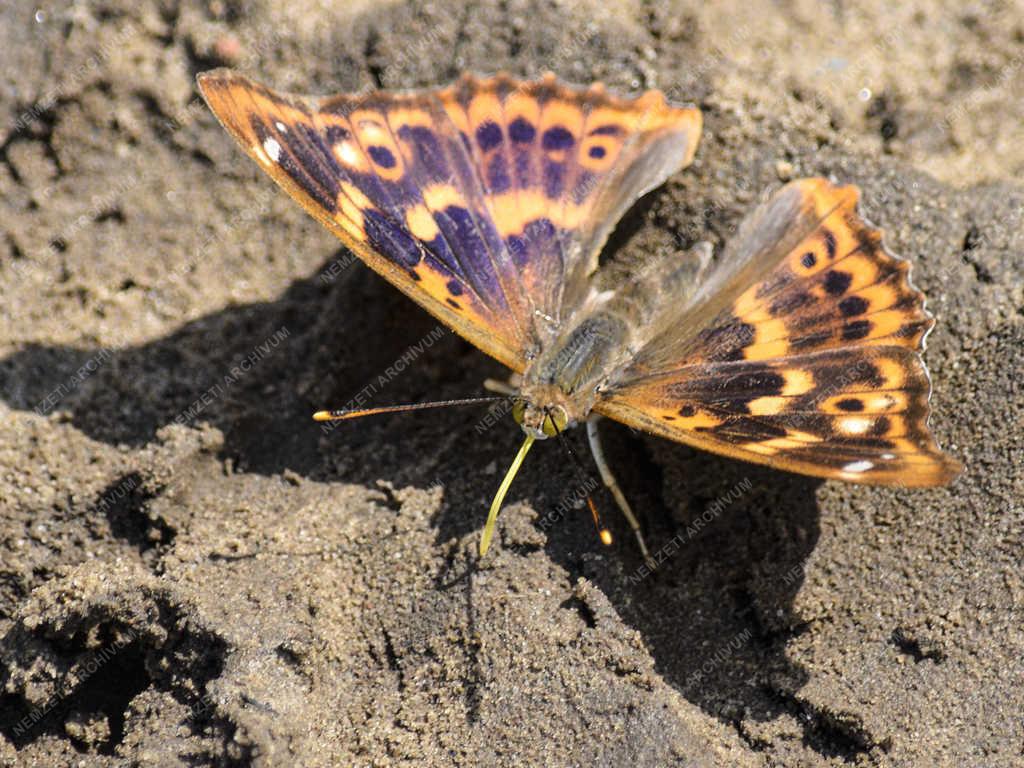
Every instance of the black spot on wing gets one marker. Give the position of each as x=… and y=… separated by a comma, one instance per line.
x=488, y=135
x=382, y=156
x=837, y=283
x=858, y=329
x=853, y=305
x=521, y=131
x=556, y=138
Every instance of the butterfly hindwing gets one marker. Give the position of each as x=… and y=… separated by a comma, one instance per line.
x=807, y=357
x=854, y=414
x=486, y=202
x=837, y=287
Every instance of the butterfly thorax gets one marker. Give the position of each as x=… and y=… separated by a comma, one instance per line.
x=602, y=336
x=561, y=383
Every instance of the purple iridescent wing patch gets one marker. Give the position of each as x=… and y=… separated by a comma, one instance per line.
x=487, y=202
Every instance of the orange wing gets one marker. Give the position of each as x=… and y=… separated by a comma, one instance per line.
x=486, y=202
x=804, y=353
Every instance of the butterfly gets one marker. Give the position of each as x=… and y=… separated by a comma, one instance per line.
x=487, y=202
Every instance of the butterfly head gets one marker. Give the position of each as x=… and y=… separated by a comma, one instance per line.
x=540, y=422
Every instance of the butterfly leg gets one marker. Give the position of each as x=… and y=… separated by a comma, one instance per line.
x=510, y=388
x=612, y=484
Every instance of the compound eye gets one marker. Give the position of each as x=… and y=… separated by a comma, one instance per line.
x=518, y=410
x=555, y=421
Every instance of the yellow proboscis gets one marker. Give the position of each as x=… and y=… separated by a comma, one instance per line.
x=499, y=497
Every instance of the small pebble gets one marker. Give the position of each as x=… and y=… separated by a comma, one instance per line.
x=227, y=49
x=784, y=170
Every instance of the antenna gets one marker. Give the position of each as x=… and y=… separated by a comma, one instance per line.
x=356, y=413
x=603, y=533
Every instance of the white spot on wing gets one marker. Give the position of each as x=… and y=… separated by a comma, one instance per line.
x=858, y=466
x=888, y=456
x=855, y=426
x=347, y=153
x=281, y=126
x=273, y=149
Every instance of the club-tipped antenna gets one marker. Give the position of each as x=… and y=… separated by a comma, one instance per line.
x=581, y=477
x=356, y=413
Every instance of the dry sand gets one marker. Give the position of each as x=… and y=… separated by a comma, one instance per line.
x=192, y=573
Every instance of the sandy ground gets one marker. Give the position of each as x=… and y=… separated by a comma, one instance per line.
x=192, y=573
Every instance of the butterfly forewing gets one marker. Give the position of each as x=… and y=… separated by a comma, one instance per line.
x=486, y=201
x=355, y=189
x=800, y=351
